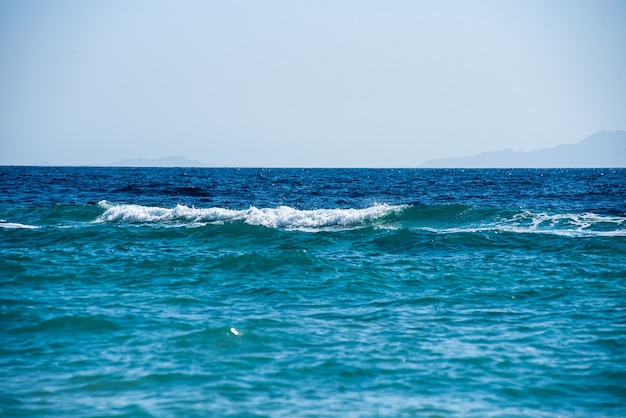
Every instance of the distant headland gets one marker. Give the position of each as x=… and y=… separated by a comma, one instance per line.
x=603, y=149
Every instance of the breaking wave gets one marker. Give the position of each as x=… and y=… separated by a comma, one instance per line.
x=437, y=219
x=473, y=220
x=13, y=225
x=281, y=217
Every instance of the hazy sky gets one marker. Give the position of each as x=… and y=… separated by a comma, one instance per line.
x=305, y=83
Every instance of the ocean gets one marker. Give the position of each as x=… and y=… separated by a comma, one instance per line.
x=224, y=292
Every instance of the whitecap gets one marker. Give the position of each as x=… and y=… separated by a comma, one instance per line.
x=283, y=217
x=562, y=224
x=13, y=225
x=570, y=224
x=147, y=214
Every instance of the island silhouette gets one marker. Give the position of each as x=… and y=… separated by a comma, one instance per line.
x=602, y=149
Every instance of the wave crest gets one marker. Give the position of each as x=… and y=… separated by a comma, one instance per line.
x=437, y=219
x=567, y=223
x=283, y=217
x=471, y=220
x=14, y=225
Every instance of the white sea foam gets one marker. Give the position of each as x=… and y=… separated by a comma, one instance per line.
x=145, y=214
x=281, y=217
x=12, y=225
x=572, y=220
x=565, y=224
x=570, y=224
x=284, y=217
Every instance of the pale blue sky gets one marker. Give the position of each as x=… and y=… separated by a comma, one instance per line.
x=315, y=83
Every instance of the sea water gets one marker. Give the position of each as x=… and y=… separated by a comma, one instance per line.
x=312, y=292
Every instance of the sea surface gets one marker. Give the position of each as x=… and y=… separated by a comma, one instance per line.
x=218, y=292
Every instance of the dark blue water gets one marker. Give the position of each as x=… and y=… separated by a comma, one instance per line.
x=312, y=292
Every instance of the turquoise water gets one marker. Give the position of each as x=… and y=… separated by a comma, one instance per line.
x=224, y=292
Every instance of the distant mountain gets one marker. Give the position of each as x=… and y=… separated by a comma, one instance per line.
x=603, y=149
x=175, y=161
